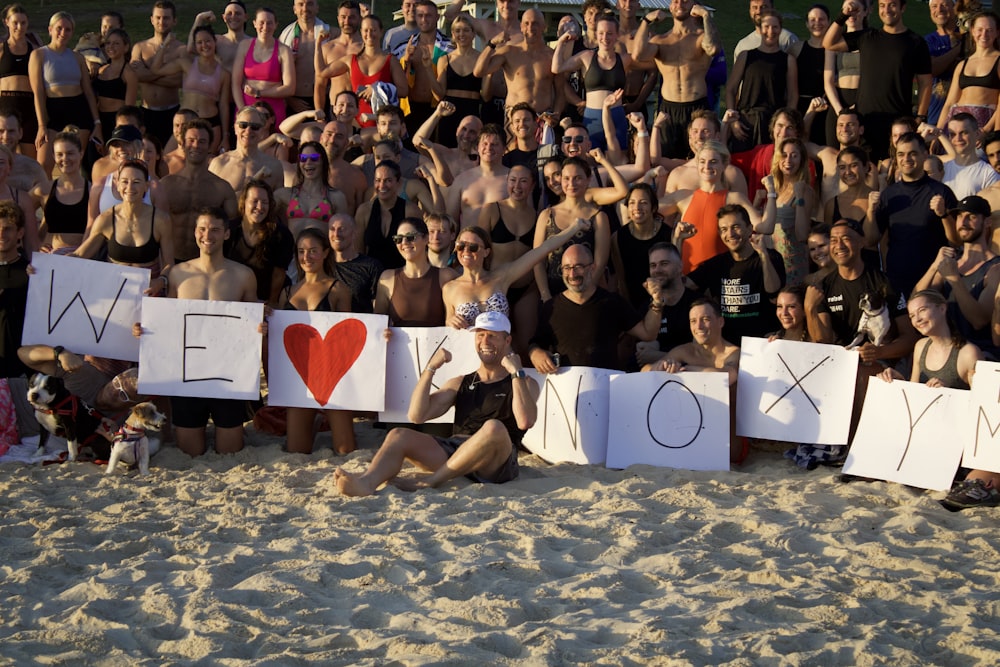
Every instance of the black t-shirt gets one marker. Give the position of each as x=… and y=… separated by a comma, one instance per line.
x=13, y=301
x=361, y=276
x=739, y=288
x=675, y=325
x=915, y=233
x=585, y=334
x=635, y=260
x=279, y=250
x=478, y=402
x=843, y=298
x=890, y=63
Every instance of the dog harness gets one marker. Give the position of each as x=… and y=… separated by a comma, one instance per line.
x=130, y=435
x=74, y=402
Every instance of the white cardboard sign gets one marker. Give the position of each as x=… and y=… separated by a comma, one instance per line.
x=409, y=350
x=794, y=391
x=673, y=421
x=907, y=434
x=326, y=360
x=572, y=420
x=86, y=306
x=200, y=348
x=982, y=451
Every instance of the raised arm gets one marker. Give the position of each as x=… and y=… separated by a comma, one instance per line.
x=512, y=271
x=619, y=186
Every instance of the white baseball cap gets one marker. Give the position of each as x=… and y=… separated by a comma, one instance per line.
x=492, y=321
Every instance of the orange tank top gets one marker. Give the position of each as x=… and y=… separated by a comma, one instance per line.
x=701, y=213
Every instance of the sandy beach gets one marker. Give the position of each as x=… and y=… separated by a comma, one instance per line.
x=254, y=559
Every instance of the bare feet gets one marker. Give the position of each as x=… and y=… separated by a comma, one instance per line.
x=351, y=485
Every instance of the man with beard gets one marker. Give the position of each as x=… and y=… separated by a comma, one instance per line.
x=912, y=215
x=526, y=66
x=506, y=19
x=193, y=188
x=494, y=406
x=246, y=161
x=745, y=278
x=419, y=56
x=581, y=325
x=330, y=51
x=968, y=279
x=665, y=268
x=349, y=178
x=458, y=159
x=683, y=56
x=704, y=126
x=475, y=188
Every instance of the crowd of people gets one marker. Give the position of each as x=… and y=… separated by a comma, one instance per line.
x=576, y=197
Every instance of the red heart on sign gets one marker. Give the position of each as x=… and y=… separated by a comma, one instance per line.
x=321, y=362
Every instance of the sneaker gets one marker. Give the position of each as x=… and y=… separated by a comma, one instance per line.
x=971, y=493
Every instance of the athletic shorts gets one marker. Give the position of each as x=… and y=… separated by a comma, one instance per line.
x=505, y=473
x=678, y=119
x=187, y=412
x=63, y=111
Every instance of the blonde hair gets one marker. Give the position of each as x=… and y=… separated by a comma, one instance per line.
x=62, y=16
x=803, y=172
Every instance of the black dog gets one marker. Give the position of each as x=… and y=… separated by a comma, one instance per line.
x=63, y=414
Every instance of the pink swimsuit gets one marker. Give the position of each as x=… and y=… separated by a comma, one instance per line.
x=270, y=72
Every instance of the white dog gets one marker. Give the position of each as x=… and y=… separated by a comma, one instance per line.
x=130, y=444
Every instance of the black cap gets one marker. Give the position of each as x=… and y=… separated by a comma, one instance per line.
x=125, y=133
x=972, y=204
x=851, y=224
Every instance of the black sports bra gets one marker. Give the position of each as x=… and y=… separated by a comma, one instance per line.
x=12, y=64
x=322, y=307
x=114, y=89
x=501, y=232
x=455, y=81
x=991, y=80
x=128, y=254
x=63, y=218
x=597, y=78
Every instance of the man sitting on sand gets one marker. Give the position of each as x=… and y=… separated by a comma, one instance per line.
x=494, y=406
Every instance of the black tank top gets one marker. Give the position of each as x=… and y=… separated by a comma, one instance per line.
x=455, y=81
x=610, y=80
x=991, y=80
x=114, y=89
x=381, y=247
x=478, y=402
x=12, y=64
x=126, y=254
x=63, y=218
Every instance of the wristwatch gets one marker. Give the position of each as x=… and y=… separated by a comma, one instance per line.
x=520, y=374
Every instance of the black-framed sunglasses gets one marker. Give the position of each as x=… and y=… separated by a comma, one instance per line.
x=578, y=139
x=244, y=124
x=462, y=246
x=400, y=239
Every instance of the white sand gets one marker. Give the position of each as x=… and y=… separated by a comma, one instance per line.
x=254, y=559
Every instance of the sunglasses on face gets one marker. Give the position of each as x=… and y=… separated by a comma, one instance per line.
x=578, y=139
x=462, y=246
x=400, y=239
x=308, y=157
x=242, y=124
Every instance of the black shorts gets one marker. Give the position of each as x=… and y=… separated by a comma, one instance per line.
x=160, y=122
x=214, y=121
x=24, y=102
x=678, y=118
x=505, y=473
x=187, y=412
x=63, y=111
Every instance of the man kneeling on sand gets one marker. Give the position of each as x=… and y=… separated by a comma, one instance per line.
x=494, y=406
